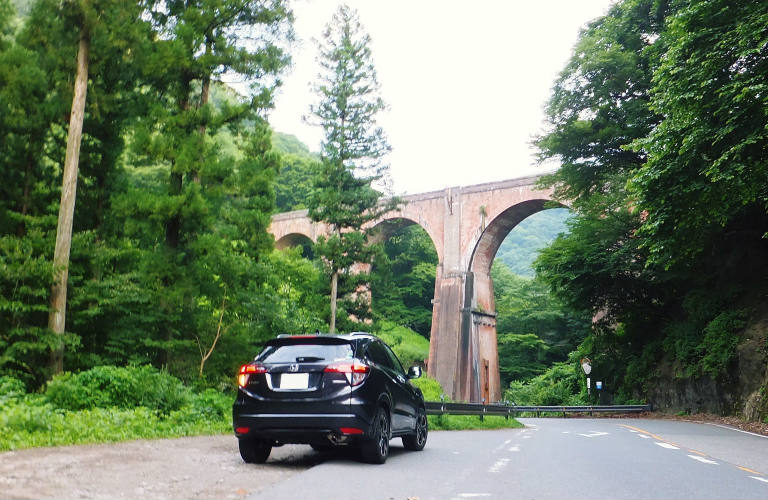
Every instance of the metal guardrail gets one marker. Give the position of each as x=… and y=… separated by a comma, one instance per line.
x=442, y=408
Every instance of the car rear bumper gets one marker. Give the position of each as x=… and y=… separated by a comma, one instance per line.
x=335, y=427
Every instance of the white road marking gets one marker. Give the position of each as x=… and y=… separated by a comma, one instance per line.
x=499, y=465
x=502, y=445
x=668, y=446
x=761, y=479
x=737, y=430
x=515, y=448
x=566, y=432
x=594, y=434
x=474, y=495
x=526, y=437
x=630, y=430
x=702, y=459
x=644, y=436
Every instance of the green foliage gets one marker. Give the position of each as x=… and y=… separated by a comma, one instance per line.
x=706, y=168
x=659, y=122
x=721, y=336
x=120, y=387
x=411, y=348
x=534, y=328
x=561, y=384
x=430, y=387
x=33, y=422
x=403, y=279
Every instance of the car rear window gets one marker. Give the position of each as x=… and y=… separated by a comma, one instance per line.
x=305, y=353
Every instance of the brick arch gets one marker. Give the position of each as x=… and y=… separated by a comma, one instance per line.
x=497, y=230
x=293, y=240
x=393, y=222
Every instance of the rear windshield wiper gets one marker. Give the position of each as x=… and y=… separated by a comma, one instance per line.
x=308, y=359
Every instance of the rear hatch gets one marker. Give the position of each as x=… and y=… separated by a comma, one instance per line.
x=297, y=372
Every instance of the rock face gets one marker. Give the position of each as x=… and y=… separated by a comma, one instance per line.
x=743, y=392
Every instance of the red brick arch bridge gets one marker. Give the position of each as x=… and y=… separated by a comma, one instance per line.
x=467, y=225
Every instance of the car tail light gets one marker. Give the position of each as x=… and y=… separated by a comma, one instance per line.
x=351, y=430
x=355, y=371
x=247, y=370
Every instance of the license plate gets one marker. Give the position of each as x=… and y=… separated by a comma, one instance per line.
x=294, y=381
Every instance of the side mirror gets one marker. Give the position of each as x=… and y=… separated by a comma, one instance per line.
x=414, y=372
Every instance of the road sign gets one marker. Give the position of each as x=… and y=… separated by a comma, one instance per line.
x=586, y=365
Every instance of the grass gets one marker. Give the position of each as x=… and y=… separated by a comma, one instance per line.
x=469, y=422
x=34, y=420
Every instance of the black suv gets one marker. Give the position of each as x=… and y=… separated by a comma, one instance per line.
x=327, y=391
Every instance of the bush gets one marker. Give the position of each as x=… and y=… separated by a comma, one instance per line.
x=11, y=390
x=721, y=337
x=121, y=387
x=560, y=385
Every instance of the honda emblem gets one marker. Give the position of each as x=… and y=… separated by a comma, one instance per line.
x=294, y=368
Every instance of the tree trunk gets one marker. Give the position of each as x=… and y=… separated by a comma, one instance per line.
x=334, y=291
x=57, y=314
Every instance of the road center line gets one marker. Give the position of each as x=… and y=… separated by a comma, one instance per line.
x=644, y=432
x=748, y=470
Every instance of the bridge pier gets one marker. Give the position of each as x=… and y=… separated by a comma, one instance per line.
x=463, y=354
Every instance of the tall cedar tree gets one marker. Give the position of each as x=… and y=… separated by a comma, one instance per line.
x=352, y=150
x=200, y=268
x=100, y=28
x=36, y=78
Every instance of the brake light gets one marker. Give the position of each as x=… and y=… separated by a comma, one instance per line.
x=354, y=371
x=247, y=370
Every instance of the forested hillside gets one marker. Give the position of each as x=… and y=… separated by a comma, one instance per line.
x=520, y=248
x=659, y=122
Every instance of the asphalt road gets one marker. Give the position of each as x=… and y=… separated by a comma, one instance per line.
x=551, y=458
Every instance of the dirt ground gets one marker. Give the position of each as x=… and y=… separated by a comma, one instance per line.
x=195, y=467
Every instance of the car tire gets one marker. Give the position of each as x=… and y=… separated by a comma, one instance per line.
x=417, y=440
x=254, y=451
x=376, y=449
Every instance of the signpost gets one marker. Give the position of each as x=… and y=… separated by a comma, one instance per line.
x=586, y=365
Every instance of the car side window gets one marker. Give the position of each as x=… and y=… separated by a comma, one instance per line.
x=378, y=354
x=396, y=365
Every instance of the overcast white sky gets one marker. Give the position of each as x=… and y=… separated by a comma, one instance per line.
x=466, y=81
